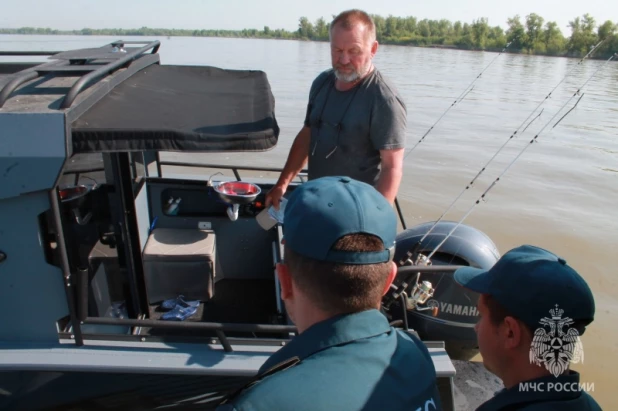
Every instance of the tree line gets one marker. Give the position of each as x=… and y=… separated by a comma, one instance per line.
x=533, y=35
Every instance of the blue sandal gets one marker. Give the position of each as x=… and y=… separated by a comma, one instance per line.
x=179, y=313
x=178, y=301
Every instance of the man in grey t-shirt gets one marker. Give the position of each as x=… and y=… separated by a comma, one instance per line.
x=356, y=121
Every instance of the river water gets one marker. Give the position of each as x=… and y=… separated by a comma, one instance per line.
x=560, y=194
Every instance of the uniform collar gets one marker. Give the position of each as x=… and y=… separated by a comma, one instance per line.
x=543, y=392
x=338, y=330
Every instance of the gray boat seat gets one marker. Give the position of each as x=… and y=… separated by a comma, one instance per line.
x=179, y=261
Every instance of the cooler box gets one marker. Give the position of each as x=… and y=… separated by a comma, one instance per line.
x=179, y=262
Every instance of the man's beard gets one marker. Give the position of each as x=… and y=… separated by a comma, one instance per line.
x=353, y=76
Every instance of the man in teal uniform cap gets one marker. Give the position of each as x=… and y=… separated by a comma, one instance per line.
x=533, y=307
x=339, y=238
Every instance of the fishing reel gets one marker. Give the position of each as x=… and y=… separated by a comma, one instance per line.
x=419, y=294
x=422, y=259
x=408, y=258
x=420, y=291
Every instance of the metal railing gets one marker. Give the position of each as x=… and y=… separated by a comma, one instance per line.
x=302, y=175
x=95, y=72
x=28, y=53
x=235, y=169
x=108, y=68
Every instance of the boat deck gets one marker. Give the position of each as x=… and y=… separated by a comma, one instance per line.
x=232, y=298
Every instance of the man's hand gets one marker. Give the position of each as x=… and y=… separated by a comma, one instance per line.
x=273, y=197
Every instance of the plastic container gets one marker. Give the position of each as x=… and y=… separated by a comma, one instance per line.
x=269, y=217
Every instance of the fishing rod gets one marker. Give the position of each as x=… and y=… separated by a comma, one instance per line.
x=533, y=140
x=410, y=253
x=460, y=98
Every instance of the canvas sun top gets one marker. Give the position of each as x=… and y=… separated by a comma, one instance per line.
x=135, y=103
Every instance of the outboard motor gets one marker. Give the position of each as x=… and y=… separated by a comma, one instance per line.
x=438, y=308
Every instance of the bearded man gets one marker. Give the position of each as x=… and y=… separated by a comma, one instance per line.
x=355, y=123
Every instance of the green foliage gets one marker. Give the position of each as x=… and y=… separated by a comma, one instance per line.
x=553, y=38
x=516, y=34
x=533, y=36
x=583, y=35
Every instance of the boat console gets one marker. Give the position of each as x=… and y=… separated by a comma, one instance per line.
x=190, y=246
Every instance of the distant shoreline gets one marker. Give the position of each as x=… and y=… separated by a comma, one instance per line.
x=533, y=36
x=428, y=46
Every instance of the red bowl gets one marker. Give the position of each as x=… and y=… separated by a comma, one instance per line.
x=71, y=193
x=237, y=192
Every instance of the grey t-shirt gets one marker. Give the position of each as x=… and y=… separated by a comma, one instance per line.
x=348, y=128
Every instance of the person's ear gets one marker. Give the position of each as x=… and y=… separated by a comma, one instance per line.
x=285, y=280
x=512, y=333
x=391, y=277
x=374, y=48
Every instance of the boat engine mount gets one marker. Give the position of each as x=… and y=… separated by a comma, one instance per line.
x=436, y=307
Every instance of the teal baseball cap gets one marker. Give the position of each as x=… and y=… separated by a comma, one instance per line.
x=532, y=283
x=321, y=211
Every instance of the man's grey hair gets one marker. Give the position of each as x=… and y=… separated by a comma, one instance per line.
x=350, y=18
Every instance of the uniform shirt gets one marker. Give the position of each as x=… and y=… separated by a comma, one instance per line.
x=349, y=362
x=349, y=128
x=545, y=397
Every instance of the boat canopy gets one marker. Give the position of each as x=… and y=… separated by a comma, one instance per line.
x=181, y=108
x=118, y=98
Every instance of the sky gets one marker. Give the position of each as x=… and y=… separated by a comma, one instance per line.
x=279, y=14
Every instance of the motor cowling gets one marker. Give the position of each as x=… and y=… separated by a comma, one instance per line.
x=456, y=306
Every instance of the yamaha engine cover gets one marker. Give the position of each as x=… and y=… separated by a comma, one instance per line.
x=456, y=306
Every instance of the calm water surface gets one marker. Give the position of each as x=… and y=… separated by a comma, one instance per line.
x=560, y=194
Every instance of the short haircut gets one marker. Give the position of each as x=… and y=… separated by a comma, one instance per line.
x=349, y=18
x=341, y=288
